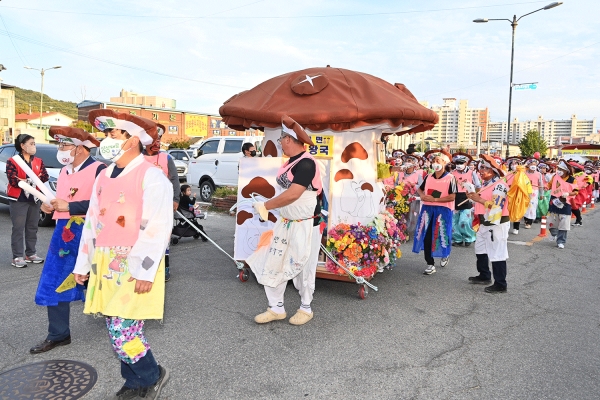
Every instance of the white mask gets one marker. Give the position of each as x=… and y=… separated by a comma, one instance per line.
x=532, y=167
x=112, y=149
x=64, y=157
x=560, y=173
x=436, y=167
x=513, y=167
x=460, y=167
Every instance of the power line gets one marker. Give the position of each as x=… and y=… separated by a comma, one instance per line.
x=12, y=42
x=504, y=76
x=277, y=17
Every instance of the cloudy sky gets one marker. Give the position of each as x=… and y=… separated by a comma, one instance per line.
x=202, y=52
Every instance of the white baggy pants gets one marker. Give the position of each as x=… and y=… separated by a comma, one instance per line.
x=304, y=281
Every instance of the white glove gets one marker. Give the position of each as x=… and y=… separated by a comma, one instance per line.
x=565, y=194
x=261, y=210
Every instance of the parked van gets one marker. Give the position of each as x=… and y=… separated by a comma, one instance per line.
x=215, y=163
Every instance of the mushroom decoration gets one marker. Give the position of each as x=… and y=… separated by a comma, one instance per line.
x=346, y=113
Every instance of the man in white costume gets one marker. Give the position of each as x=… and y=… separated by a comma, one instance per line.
x=290, y=251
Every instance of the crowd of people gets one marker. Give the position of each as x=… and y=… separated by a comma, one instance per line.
x=465, y=201
x=113, y=225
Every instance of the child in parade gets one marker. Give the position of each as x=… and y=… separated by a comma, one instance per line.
x=562, y=189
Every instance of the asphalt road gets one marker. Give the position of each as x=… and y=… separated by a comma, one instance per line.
x=419, y=337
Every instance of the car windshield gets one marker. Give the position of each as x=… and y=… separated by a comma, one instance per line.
x=48, y=156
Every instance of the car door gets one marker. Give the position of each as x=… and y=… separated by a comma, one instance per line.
x=206, y=164
x=227, y=171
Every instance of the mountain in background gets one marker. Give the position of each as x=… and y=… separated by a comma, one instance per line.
x=24, y=97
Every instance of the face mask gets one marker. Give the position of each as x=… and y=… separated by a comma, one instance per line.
x=112, y=149
x=29, y=149
x=436, y=167
x=460, y=167
x=560, y=173
x=253, y=153
x=513, y=167
x=532, y=168
x=64, y=157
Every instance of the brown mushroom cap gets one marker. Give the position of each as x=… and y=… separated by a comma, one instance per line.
x=354, y=150
x=327, y=98
x=367, y=186
x=258, y=185
x=343, y=174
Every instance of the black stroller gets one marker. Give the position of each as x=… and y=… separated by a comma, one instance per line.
x=187, y=224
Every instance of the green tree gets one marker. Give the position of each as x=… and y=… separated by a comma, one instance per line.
x=533, y=142
x=86, y=126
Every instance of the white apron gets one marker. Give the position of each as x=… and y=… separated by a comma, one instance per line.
x=289, y=250
x=562, y=222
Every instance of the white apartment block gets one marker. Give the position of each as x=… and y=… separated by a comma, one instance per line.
x=458, y=124
x=549, y=129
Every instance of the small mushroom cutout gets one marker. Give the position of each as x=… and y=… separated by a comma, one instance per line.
x=121, y=221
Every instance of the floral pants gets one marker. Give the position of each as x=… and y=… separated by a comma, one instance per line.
x=127, y=338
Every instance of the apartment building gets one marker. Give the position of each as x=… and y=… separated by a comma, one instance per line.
x=550, y=130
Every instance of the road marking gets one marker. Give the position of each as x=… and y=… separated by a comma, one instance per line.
x=520, y=243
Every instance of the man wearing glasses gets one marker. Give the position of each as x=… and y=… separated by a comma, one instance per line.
x=491, y=243
x=57, y=288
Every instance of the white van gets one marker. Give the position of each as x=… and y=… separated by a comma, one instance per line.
x=215, y=163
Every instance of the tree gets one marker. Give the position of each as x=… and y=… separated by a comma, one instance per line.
x=531, y=143
x=86, y=126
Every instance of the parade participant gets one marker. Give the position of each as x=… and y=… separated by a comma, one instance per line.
x=537, y=183
x=434, y=226
x=562, y=189
x=512, y=163
x=412, y=173
x=292, y=251
x=579, y=199
x=462, y=222
x=249, y=150
x=544, y=202
x=24, y=208
x=128, y=226
x=165, y=162
x=491, y=207
x=56, y=288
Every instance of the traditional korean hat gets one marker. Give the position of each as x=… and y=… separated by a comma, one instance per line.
x=576, y=166
x=543, y=165
x=143, y=128
x=76, y=136
x=431, y=154
x=461, y=158
x=398, y=153
x=160, y=130
x=511, y=160
x=418, y=161
x=532, y=160
x=490, y=162
x=293, y=129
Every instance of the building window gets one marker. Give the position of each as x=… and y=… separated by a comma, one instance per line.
x=3, y=102
x=3, y=121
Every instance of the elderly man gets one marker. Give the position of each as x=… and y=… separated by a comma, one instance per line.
x=434, y=226
x=57, y=289
x=491, y=243
x=291, y=252
x=128, y=226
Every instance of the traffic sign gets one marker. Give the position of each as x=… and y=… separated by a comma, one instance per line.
x=525, y=86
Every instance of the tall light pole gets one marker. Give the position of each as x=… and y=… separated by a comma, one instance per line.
x=42, y=71
x=514, y=23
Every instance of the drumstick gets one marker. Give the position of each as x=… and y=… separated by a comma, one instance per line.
x=460, y=204
x=33, y=191
x=34, y=177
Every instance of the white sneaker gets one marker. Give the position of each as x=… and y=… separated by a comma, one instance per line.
x=430, y=270
x=552, y=238
x=527, y=226
x=561, y=246
x=444, y=262
x=515, y=231
x=19, y=262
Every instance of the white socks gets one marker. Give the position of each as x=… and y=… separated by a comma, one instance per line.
x=278, y=309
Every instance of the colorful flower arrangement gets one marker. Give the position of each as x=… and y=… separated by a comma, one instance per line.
x=398, y=199
x=365, y=249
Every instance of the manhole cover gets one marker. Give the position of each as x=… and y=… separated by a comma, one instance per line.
x=55, y=379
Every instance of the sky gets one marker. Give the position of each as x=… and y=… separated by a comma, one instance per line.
x=203, y=52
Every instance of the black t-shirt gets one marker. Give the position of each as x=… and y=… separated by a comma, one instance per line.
x=304, y=172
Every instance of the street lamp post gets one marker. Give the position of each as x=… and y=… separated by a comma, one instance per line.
x=42, y=71
x=514, y=23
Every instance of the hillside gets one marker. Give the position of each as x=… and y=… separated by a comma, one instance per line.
x=24, y=97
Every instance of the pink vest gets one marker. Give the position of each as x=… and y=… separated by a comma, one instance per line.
x=412, y=178
x=316, y=182
x=510, y=177
x=462, y=177
x=534, y=178
x=120, y=202
x=159, y=160
x=75, y=187
x=487, y=194
x=441, y=185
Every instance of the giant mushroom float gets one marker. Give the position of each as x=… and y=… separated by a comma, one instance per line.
x=346, y=113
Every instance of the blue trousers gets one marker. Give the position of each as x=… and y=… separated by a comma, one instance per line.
x=58, y=321
x=143, y=373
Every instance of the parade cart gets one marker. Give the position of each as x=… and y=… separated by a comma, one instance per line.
x=346, y=113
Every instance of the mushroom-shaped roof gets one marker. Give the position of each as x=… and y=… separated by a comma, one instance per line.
x=327, y=99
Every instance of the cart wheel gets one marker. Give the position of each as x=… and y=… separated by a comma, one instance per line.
x=363, y=292
x=197, y=236
x=244, y=275
x=174, y=241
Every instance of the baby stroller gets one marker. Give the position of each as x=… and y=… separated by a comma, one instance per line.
x=186, y=223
